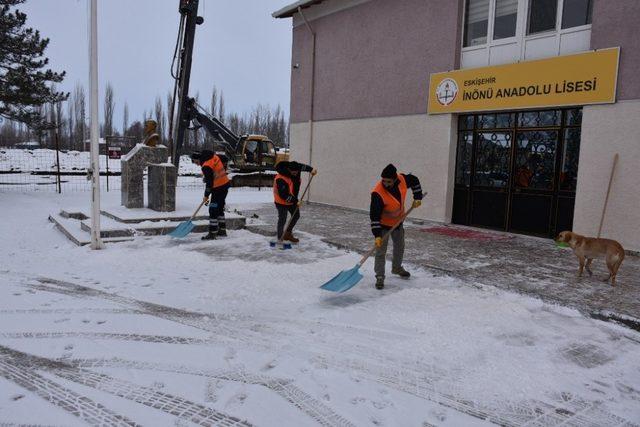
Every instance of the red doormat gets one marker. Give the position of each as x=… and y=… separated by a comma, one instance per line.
x=465, y=233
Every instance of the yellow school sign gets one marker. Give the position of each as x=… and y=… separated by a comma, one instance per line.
x=585, y=78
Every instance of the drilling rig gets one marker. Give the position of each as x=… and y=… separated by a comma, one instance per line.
x=243, y=153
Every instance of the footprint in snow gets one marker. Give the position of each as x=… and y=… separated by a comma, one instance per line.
x=230, y=354
x=357, y=400
x=438, y=415
x=269, y=365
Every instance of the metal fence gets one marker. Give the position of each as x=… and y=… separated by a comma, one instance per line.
x=50, y=170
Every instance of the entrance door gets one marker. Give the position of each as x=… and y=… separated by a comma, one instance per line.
x=517, y=171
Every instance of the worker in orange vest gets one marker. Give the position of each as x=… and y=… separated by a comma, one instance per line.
x=387, y=208
x=286, y=187
x=217, y=185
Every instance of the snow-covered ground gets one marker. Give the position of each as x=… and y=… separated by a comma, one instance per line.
x=180, y=332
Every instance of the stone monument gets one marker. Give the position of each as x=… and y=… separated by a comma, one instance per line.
x=162, y=178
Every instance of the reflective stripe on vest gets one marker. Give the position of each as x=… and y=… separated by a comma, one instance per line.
x=276, y=196
x=393, y=209
x=220, y=177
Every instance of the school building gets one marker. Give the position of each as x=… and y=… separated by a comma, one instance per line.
x=510, y=112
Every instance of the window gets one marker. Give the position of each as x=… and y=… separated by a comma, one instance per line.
x=506, y=19
x=542, y=16
x=576, y=13
x=476, y=22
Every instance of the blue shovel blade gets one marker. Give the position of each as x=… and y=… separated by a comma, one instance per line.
x=182, y=229
x=344, y=281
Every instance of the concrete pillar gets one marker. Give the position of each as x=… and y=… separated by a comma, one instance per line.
x=133, y=165
x=161, y=187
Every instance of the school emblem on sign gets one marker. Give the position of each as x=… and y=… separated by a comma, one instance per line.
x=447, y=91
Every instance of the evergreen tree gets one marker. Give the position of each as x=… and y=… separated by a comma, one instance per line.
x=24, y=81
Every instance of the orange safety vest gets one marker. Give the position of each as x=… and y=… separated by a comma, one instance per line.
x=220, y=177
x=276, y=196
x=393, y=209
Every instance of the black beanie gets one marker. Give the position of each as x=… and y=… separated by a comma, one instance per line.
x=389, y=171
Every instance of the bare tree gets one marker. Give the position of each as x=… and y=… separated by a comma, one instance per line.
x=168, y=114
x=125, y=119
x=79, y=104
x=221, y=110
x=213, y=106
x=109, y=106
x=159, y=117
x=70, y=124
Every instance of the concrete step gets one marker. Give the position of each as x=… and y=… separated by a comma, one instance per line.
x=142, y=222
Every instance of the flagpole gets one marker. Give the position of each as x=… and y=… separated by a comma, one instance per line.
x=96, y=241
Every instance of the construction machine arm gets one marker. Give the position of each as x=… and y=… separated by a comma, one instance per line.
x=214, y=127
x=189, y=11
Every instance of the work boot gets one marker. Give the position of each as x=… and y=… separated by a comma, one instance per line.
x=289, y=237
x=222, y=232
x=379, y=282
x=209, y=236
x=400, y=271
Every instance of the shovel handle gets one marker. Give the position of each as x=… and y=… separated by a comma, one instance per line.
x=197, y=210
x=387, y=234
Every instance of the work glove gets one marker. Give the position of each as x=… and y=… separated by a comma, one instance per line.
x=206, y=200
x=299, y=203
x=378, y=242
x=416, y=204
x=314, y=172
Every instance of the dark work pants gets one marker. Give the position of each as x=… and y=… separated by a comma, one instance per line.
x=216, y=209
x=397, y=236
x=283, y=210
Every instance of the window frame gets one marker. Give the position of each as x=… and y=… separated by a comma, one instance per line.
x=522, y=24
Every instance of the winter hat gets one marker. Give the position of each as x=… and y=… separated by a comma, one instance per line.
x=195, y=155
x=389, y=171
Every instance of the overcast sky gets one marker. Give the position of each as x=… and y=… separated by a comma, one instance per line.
x=240, y=48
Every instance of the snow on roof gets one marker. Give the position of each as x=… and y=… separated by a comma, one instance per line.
x=288, y=11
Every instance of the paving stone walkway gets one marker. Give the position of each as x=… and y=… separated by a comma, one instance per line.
x=523, y=264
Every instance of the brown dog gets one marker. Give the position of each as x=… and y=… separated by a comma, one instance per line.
x=588, y=248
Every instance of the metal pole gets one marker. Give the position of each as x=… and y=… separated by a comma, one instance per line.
x=96, y=241
x=58, y=162
x=313, y=85
x=106, y=150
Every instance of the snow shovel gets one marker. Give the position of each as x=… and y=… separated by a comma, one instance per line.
x=285, y=245
x=347, y=279
x=184, y=228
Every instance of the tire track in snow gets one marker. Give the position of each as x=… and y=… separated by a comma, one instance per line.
x=23, y=363
x=159, y=339
x=283, y=387
x=408, y=378
x=70, y=311
x=209, y=319
x=562, y=409
x=82, y=407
